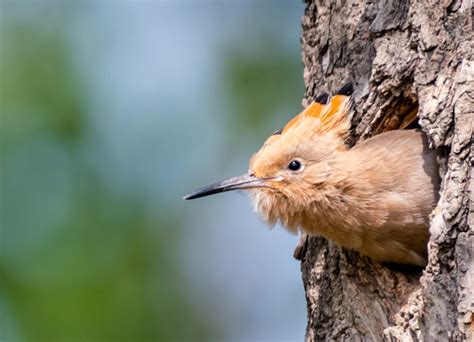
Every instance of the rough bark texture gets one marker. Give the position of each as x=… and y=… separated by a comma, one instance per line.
x=405, y=58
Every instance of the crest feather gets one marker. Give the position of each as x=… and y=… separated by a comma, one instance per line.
x=333, y=116
x=337, y=116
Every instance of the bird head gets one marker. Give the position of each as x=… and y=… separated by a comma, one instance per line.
x=285, y=174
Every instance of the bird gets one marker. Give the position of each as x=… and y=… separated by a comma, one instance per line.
x=374, y=197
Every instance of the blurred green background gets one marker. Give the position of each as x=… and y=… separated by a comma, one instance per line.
x=110, y=113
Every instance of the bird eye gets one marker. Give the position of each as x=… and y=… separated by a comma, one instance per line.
x=294, y=165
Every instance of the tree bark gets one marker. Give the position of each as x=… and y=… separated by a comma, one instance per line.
x=405, y=58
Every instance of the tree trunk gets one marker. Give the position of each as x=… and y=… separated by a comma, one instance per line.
x=405, y=58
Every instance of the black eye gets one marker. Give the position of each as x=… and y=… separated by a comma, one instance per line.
x=294, y=165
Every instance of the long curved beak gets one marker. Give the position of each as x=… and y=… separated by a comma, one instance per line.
x=245, y=181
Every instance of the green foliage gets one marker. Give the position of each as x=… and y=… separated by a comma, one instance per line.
x=39, y=87
x=79, y=263
x=80, y=260
x=262, y=81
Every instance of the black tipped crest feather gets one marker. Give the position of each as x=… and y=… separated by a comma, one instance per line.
x=347, y=89
x=278, y=131
x=322, y=98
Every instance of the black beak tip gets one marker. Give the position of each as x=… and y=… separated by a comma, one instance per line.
x=195, y=194
x=188, y=197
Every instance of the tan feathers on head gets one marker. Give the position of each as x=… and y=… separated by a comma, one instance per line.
x=314, y=133
x=311, y=139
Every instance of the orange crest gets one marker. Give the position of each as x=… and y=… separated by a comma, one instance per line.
x=333, y=115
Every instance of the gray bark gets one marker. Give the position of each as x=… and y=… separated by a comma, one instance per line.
x=405, y=58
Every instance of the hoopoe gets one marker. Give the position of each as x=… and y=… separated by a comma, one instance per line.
x=374, y=197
